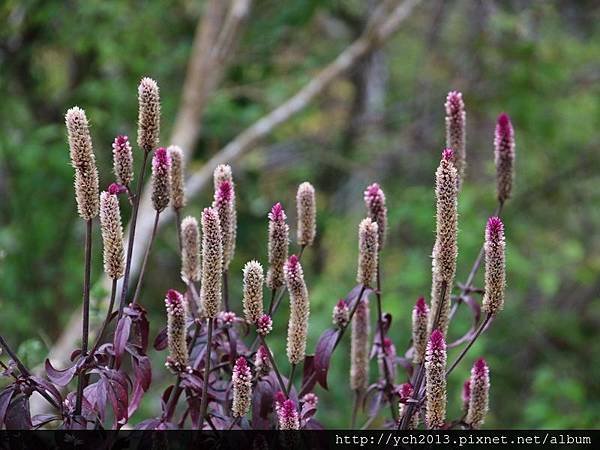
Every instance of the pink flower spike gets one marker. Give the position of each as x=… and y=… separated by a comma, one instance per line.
x=421, y=307
x=448, y=154
x=116, y=189
x=277, y=213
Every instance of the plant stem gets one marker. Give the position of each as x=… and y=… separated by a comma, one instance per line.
x=290, y=380
x=471, y=342
x=204, y=401
x=178, y=224
x=85, y=332
x=272, y=302
x=98, y=341
x=24, y=371
x=386, y=369
x=134, y=214
x=226, y=290
x=138, y=287
x=355, y=409
x=273, y=363
x=174, y=397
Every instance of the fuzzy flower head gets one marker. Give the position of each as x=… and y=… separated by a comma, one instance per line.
x=479, y=395
x=368, y=248
x=307, y=214
x=122, y=160
x=112, y=234
x=227, y=318
x=299, y=310
x=190, y=250
x=288, y=416
x=148, y=114
x=495, y=266
x=176, y=331
x=242, y=387
x=178, y=199
x=359, y=347
x=261, y=361
x=504, y=157
x=264, y=325
x=375, y=202
x=341, y=314
x=456, y=119
x=84, y=163
x=279, y=238
x=420, y=317
x=435, y=376
x=253, y=291
x=161, y=179
x=212, y=263
x=224, y=203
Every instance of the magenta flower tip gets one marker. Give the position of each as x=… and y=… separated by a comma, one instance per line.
x=421, y=306
x=480, y=367
x=437, y=340
x=161, y=158
x=121, y=142
x=448, y=154
x=277, y=213
x=241, y=364
x=406, y=390
x=373, y=190
x=279, y=398
x=116, y=189
x=288, y=409
x=341, y=303
x=454, y=101
x=225, y=191
x=495, y=227
x=466, y=392
x=293, y=262
x=174, y=297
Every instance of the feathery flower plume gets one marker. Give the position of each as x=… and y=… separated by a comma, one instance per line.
x=224, y=202
x=435, y=376
x=212, y=263
x=161, y=179
x=504, y=156
x=299, y=310
x=190, y=250
x=406, y=391
x=456, y=119
x=84, y=163
x=359, y=347
x=495, y=269
x=176, y=331
x=341, y=314
x=178, y=199
x=479, y=395
x=367, y=251
x=420, y=317
x=307, y=214
x=264, y=325
x=445, y=250
x=279, y=239
x=466, y=395
x=261, y=361
x=241, y=380
x=122, y=160
x=148, y=114
x=375, y=202
x=253, y=291
x=112, y=233
x=288, y=416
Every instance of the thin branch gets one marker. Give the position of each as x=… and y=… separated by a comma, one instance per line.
x=147, y=254
x=99, y=336
x=290, y=380
x=204, y=401
x=482, y=327
x=273, y=363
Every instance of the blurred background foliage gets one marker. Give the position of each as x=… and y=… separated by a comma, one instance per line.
x=537, y=61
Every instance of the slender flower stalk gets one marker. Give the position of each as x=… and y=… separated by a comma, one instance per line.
x=112, y=233
x=375, y=203
x=241, y=380
x=307, y=214
x=435, y=375
x=148, y=114
x=190, y=250
x=253, y=291
x=367, y=252
x=406, y=392
x=175, y=303
x=359, y=347
x=178, y=199
x=224, y=203
x=287, y=415
x=504, y=156
x=299, y=310
x=495, y=266
x=456, y=119
x=479, y=394
x=161, y=179
x=122, y=160
x=445, y=249
x=212, y=263
x=420, y=317
x=279, y=239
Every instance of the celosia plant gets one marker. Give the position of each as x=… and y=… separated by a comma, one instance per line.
x=224, y=374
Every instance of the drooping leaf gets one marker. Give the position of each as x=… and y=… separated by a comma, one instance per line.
x=18, y=416
x=143, y=378
x=161, y=341
x=5, y=398
x=116, y=389
x=121, y=337
x=60, y=377
x=322, y=357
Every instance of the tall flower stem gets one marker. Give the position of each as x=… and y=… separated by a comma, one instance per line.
x=99, y=336
x=178, y=224
x=134, y=214
x=273, y=363
x=204, y=401
x=86, y=313
x=226, y=289
x=291, y=379
x=386, y=369
x=143, y=268
x=482, y=326
x=272, y=302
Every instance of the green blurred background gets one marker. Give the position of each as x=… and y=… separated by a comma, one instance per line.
x=384, y=121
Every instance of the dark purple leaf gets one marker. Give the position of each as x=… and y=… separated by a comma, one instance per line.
x=387, y=323
x=308, y=410
x=18, y=416
x=161, y=341
x=5, y=398
x=60, y=377
x=95, y=394
x=116, y=388
x=75, y=354
x=143, y=377
x=42, y=419
x=121, y=337
x=44, y=385
x=164, y=399
x=313, y=424
x=322, y=357
x=148, y=424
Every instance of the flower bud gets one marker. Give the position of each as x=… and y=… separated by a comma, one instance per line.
x=341, y=314
x=190, y=250
x=420, y=317
x=299, y=310
x=456, y=119
x=148, y=115
x=176, y=331
x=359, y=347
x=178, y=199
x=288, y=416
x=479, y=395
x=495, y=268
x=261, y=361
x=264, y=325
x=112, y=234
x=279, y=239
x=253, y=291
x=375, y=202
x=122, y=160
x=161, y=179
x=435, y=376
x=241, y=380
x=367, y=252
x=307, y=214
x=504, y=157
x=212, y=263
x=224, y=203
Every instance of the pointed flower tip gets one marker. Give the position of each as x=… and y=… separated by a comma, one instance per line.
x=293, y=262
x=161, y=158
x=448, y=154
x=421, y=306
x=437, y=340
x=264, y=325
x=174, y=296
x=341, y=303
x=288, y=409
x=224, y=193
x=454, y=102
x=277, y=213
x=406, y=390
x=121, y=142
x=280, y=398
x=116, y=189
x=373, y=190
x=504, y=122
x=480, y=367
x=241, y=363
x=495, y=227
